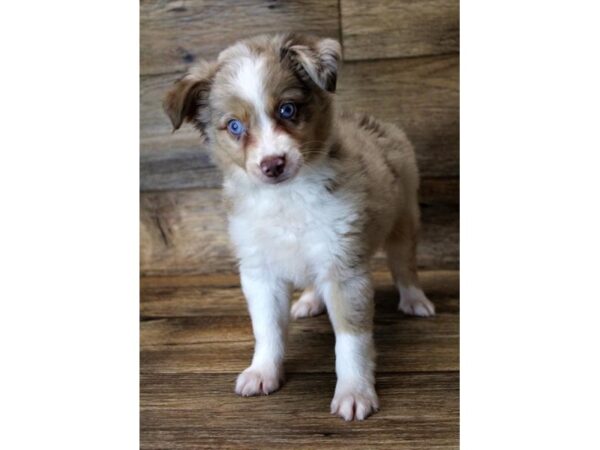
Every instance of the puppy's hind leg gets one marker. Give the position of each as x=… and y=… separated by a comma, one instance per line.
x=310, y=304
x=401, y=250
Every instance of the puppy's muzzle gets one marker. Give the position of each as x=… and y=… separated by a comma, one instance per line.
x=273, y=166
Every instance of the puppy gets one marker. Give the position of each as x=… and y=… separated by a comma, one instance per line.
x=311, y=194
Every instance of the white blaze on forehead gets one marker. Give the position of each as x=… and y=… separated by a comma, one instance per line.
x=250, y=80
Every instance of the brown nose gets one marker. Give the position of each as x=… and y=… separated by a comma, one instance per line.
x=273, y=166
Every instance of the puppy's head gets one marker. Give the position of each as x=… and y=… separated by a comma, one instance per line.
x=265, y=104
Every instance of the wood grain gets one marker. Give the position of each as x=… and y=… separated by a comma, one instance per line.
x=197, y=336
x=175, y=34
x=226, y=345
x=185, y=232
x=419, y=94
x=207, y=330
x=418, y=411
x=373, y=29
x=211, y=296
x=231, y=280
x=439, y=190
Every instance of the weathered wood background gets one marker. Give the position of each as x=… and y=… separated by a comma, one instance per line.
x=400, y=64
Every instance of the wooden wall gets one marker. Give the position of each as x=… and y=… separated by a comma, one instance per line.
x=401, y=64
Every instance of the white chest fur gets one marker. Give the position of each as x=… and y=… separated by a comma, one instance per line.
x=294, y=230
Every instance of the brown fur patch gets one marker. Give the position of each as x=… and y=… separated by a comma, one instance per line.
x=371, y=125
x=350, y=305
x=314, y=60
x=189, y=97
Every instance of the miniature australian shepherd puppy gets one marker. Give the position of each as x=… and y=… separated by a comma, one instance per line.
x=311, y=194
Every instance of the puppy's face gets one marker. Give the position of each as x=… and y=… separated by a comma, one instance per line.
x=265, y=104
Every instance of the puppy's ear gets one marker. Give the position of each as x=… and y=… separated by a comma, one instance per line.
x=187, y=100
x=314, y=59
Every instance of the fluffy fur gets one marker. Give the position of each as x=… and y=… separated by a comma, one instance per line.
x=348, y=186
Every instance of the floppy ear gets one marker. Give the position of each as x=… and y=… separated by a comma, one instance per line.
x=187, y=100
x=316, y=60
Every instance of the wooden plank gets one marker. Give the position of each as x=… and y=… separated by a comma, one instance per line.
x=373, y=29
x=185, y=232
x=174, y=281
x=175, y=34
x=223, y=342
x=439, y=190
x=418, y=411
x=419, y=94
x=168, y=297
x=308, y=354
x=231, y=322
x=176, y=161
x=223, y=279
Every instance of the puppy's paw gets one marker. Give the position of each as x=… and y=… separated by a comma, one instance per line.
x=254, y=381
x=308, y=305
x=414, y=302
x=354, y=402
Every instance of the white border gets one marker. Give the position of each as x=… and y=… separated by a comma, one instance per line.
x=69, y=229
x=530, y=225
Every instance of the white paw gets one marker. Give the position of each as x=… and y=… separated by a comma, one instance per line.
x=257, y=382
x=414, y=302
x=308, y=305
x=354, y=403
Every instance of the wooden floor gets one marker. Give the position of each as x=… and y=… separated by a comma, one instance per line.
x=196, y=337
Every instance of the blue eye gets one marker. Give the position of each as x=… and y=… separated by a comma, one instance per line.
x=235, y=127
x=287, y=111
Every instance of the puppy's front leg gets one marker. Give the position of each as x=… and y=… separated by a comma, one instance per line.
x=268, y=302
x=350, y=306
